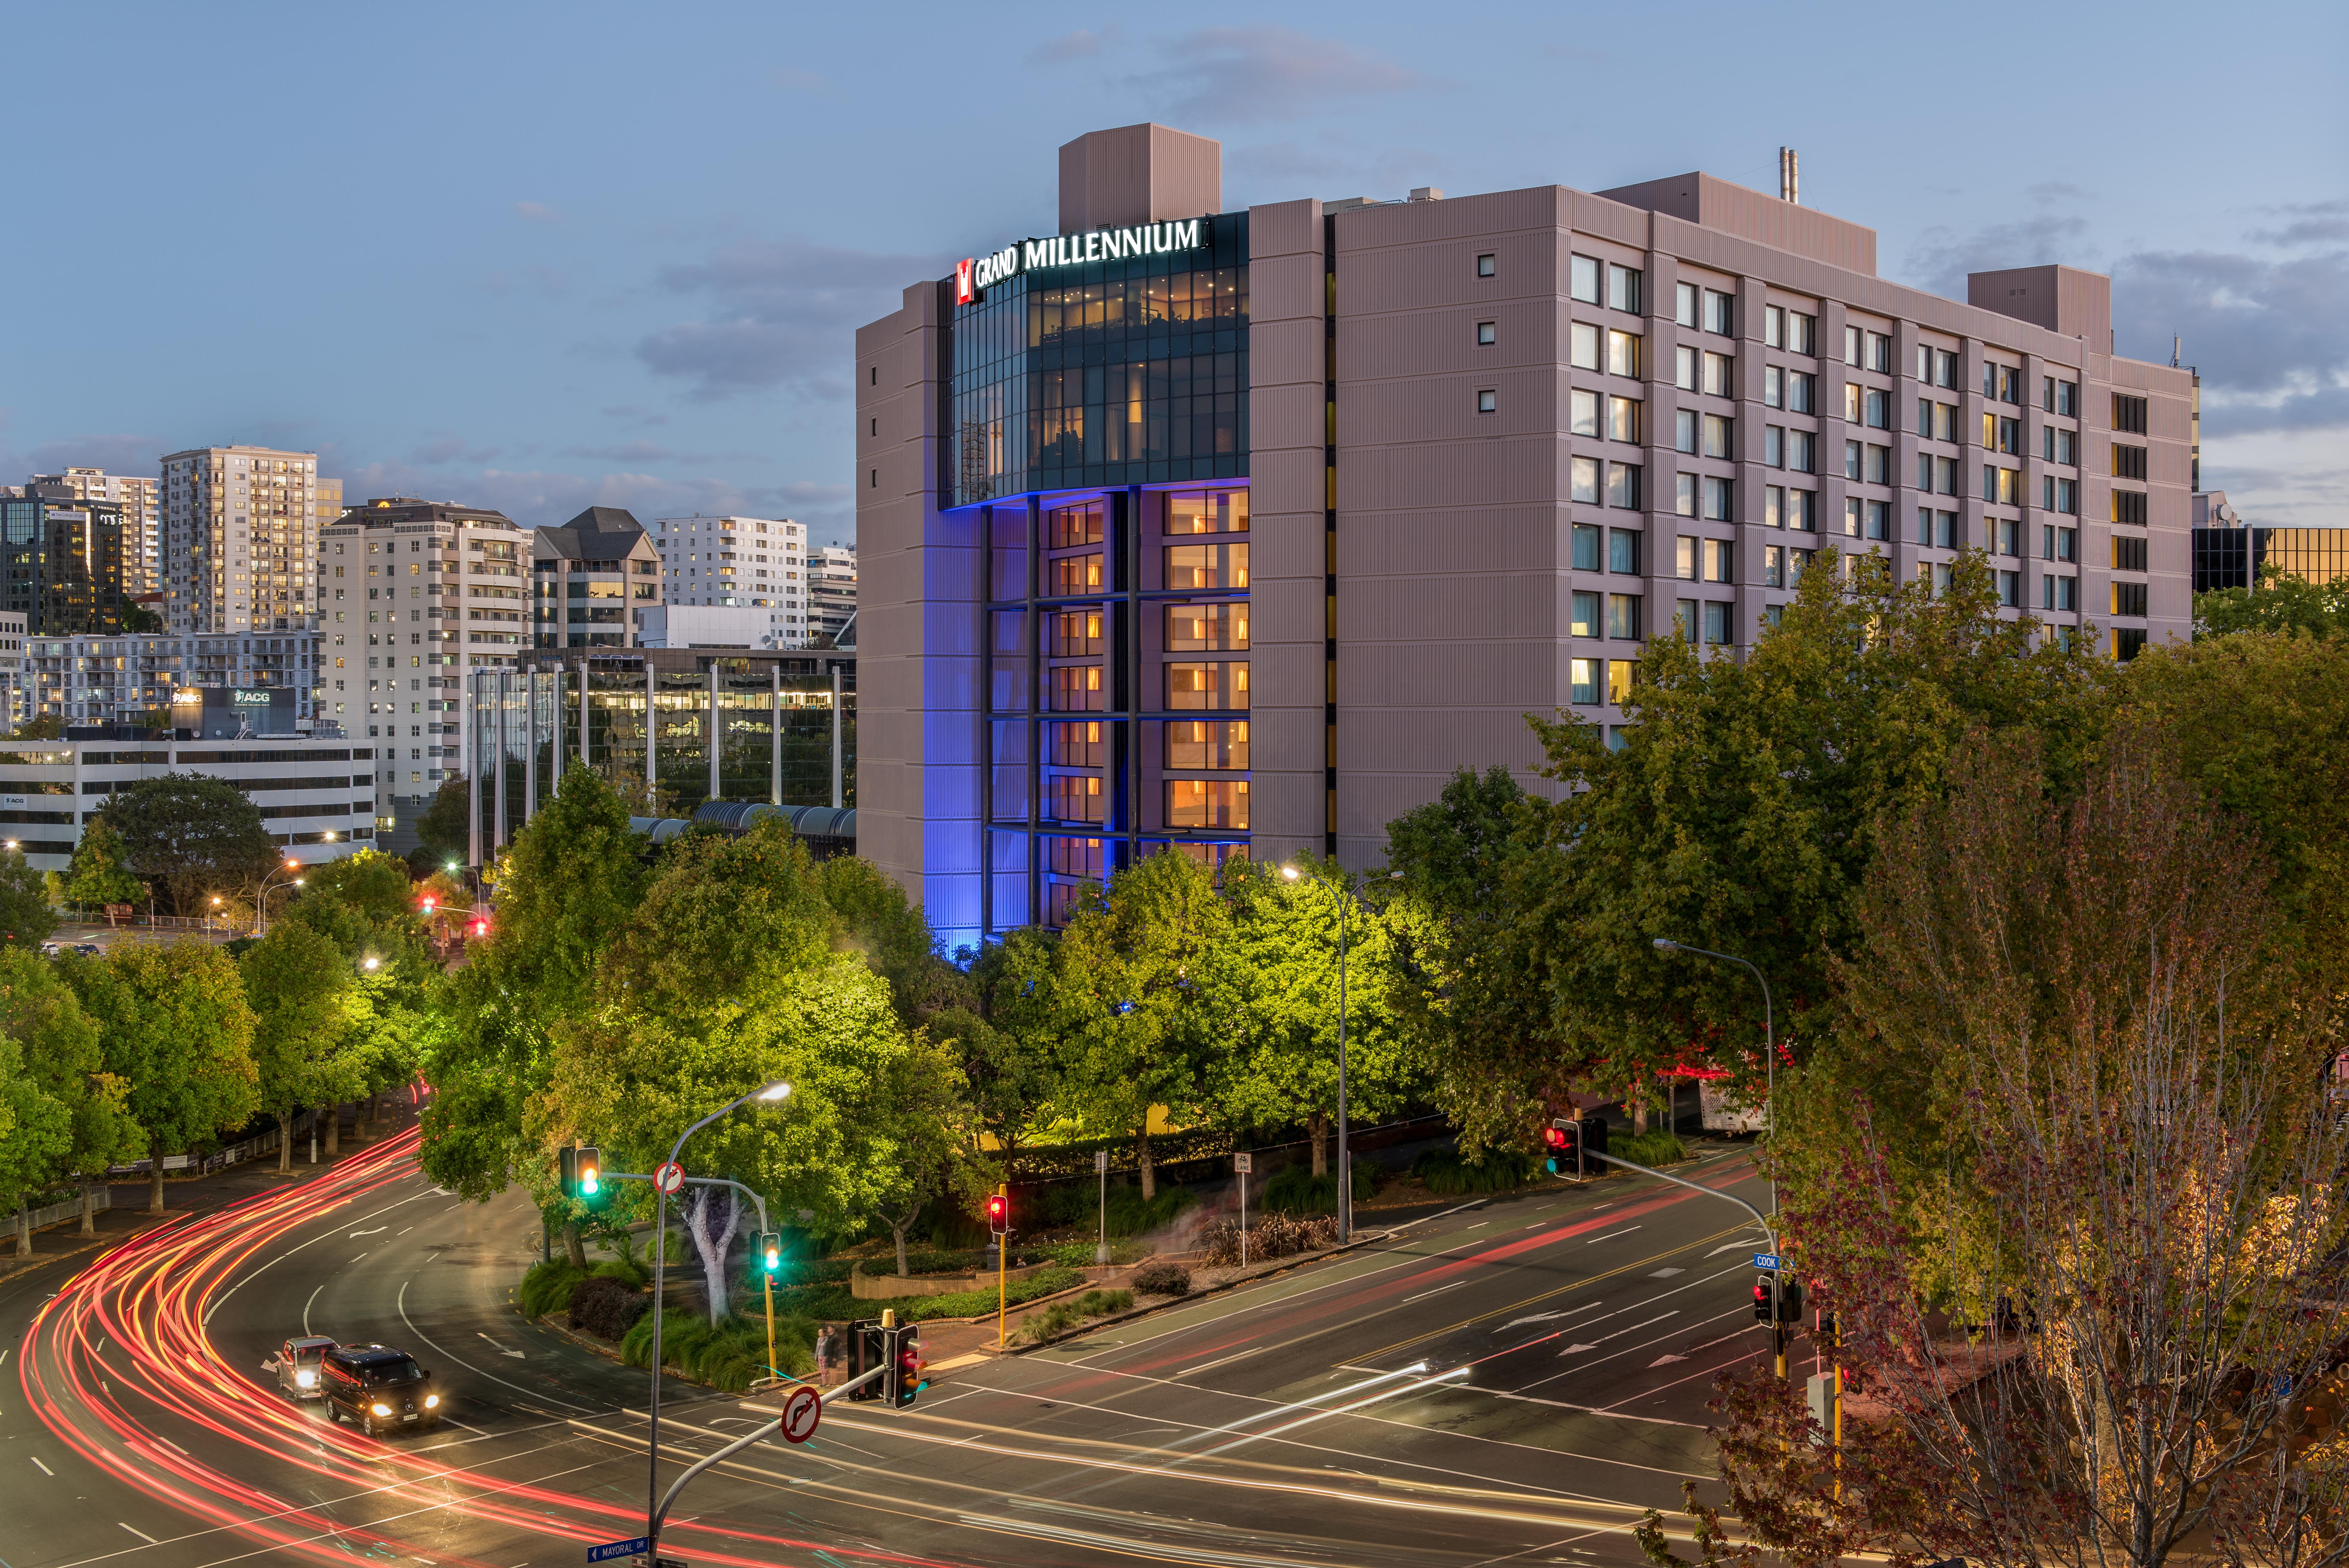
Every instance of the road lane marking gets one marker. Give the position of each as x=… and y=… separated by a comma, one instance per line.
x=376, y=1232
x=307, y=1306
x=218, y=1300
x=1439, y=1290
x=141, y=1534
x=532, y=1393
x=1666, y=1273
x=1610, y=1235
x=1188, y=1371
x=1591, y=1410
x=46, y=1469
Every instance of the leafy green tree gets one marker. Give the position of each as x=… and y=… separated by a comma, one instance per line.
x=872, y=915
x=194, y=834
x=173, y=1024
x=1006, y=1039
x=1128, y=974
x=928, y=1102
x=1270, y=988
x=446, y=825
x=35, y=1130
x=96, y=877
x=2283, y=602
x=27, y=916
x=304, y=1045
x=46, y=727
x=62, y=1064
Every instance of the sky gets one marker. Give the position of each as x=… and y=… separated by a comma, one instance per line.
x=543, y=257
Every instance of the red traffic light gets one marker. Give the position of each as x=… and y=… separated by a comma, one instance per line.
x=482, y=927
x=429, y=902
x=1554, y=1139
x=998, y=1213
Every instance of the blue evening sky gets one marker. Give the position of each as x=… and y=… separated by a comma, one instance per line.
x=543, y=256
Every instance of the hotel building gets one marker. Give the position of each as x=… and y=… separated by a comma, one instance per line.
x=1238, y=531
x=140, y=499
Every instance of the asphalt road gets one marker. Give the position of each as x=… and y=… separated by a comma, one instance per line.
x=1509, y=1384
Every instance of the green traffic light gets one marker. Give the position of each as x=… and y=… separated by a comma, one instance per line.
x=589, y=1184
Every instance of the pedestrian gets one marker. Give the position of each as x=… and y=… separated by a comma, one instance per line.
x=824, y=1343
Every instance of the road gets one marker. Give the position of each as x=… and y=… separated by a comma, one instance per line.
x=1510, y=1384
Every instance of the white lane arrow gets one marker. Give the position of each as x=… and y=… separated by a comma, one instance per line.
x=376, y=1232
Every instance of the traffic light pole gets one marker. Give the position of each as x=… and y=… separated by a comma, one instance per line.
x=1777, y=1330
x=660, y=1515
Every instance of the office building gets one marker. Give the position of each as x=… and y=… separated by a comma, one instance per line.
x=412, y=595
x=832, y=592
x=12, y=671
x=239, y=540
x=1237, y=531
x=64, y=558
x=2230, y=552
x=140, y=501
x=130, y=679
x=742, y=563
x=673, y=625
x=594, y=580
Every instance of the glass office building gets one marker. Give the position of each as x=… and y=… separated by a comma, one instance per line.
x=2234, y=557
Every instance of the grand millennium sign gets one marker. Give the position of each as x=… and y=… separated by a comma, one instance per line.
x=1072, y=249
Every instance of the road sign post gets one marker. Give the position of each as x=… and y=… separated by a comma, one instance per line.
x=612, y=1549
x=1244, y=1163
x=1100, y=1169
x=670, y=1179
x=801, y=1413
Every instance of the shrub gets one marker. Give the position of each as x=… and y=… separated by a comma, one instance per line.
x=547, y=1287
x=1163, y=1278
x=1062, y=1316
x=1079, y=1204
x=1653, y=1147
x=1297, y=1190
x=605, y=1306
x=1444, y=1172
x=1271, y=1236
x=727, y=1357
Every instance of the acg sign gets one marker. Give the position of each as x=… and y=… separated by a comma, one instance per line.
x=1075, y=249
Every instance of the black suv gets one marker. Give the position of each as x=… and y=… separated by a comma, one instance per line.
x=377, y=1388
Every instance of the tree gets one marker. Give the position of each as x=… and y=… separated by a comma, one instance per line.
x=927, y=1101
x=35, y=1132
x=1128, y=971
x=43, y=727
x=1270, y=989
x=1007, y=1040
x=96, y=877
x=27, y=916
x=140, y=621
x=2283, y=602
x=446, y=825
x=304, y=1046
x=77, y=1125
x=872, y=915
x=565, y=888
x=172, y=1023
x=194, y=834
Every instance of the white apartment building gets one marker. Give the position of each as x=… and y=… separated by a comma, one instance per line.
x=831, y=590
x=240, y=541
x=141, y=500
x=738, y=563
x=411, y=594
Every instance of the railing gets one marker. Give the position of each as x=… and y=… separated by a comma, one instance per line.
x=50, y=1213
x=219, y=1159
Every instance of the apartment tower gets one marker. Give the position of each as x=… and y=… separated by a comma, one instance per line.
x=240, y=541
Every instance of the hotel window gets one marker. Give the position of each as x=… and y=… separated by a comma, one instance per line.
x=2007, y=536
x=1622, y=675
x=1076, y=688
x=1773, y=506
x=1879, y=353
x=1684, y=369
x=2129, y=462
x=1623, y=353
x=2128, y=642
x=1802, y=392
x=1879, y=409
x=2002, y=487
x=1073, y=797
x=1197, y=566
x=2128, y=507
x=1945, y=476
x=1945, y=368
x=2010, y=589
x=1717, y=623
x=1774, y=566
x=1586, y=677
x=1879, y=465
x=1623, y=617
x=1720, y=313
x=1586, y=545
x=1802, y=510
x=1066, y=527
x=1720, y=375
x=1851, y=345
x=1684, y=620
x=2061, y=495
x=2128, y=414
x=1720, y=561
x=1686, y=304
x=1719, y=500
x=1206, y=743
x=2060, y=446
x=1584, y=283
x=1623, y=486
x=1774, y=387
x=1073, y=633
x=2058, y=592
x=1719, y=435
x=1206, y=685
x=1583, y=352
x=1074, y=745
x=1623, y=552
x=1684, y=563
x=1684, y=431
x=2001, y=435
x=1624, y=419
x=1586, y=616
x=1685, y=495
x=1485, y=265
x=1851, y=459
x=1486, y=332
x=1801, y=332
x=2060, y=397
x=1774, y=445
x=2059, y=543
x=1943, y=575
x=1202, y=628
x=1623, y=288
x=1212, y=511
x=1076, y=573
x=2128, y=555
x=1488, y=401
x=1583, y=480
x=1773, y=325
x=1206, y=803
x=1582, y=413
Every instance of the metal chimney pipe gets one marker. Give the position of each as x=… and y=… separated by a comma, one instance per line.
x=1790, y=178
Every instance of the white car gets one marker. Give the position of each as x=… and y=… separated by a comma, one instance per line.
x=296, y=1365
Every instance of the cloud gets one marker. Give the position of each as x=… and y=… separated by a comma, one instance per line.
x=537, y=212
x=1240, y=73
x=443, y=449
x=117, y=454
x=2313, y=223
x=2271, y=338
x=1084, y=44
x=781, y=314
x=543, y=498
x=1942, y=257
x=625, y=452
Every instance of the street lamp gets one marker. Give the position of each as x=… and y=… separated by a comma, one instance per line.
x=767, y=1093
x=370, y=963
x=1345, y=1167
x=1769, y=1037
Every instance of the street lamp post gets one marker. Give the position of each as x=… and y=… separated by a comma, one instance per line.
x=769, y=1093
x=261, y=901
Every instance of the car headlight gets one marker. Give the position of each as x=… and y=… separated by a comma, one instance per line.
x=380, y=1409
x=307, y=1379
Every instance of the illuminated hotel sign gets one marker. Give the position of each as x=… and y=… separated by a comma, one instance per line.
x=1075, y=249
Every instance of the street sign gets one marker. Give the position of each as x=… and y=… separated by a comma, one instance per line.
x=1765, y=1259
x=801, y=1411
x=669, y=1178
x=1100, y=1161
x=619, y=1549
x=1245, y=1164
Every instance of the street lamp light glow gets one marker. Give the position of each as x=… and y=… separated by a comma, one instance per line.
x=371, y=961
x=1288, y=871
x=773, y=1091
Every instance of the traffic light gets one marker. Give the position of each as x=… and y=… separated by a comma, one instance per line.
x=1563, y=1140
x=481, y=925
x=998, y=1213
x=1789, y=1299
x=770, y=1252
x=902, y=1380
x=580, y=1174
x=1762, y=1297
x=868, y=1348
x=431, y=901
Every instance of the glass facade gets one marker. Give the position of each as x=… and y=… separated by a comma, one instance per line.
x=2234, y=557
x=1111, y=372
